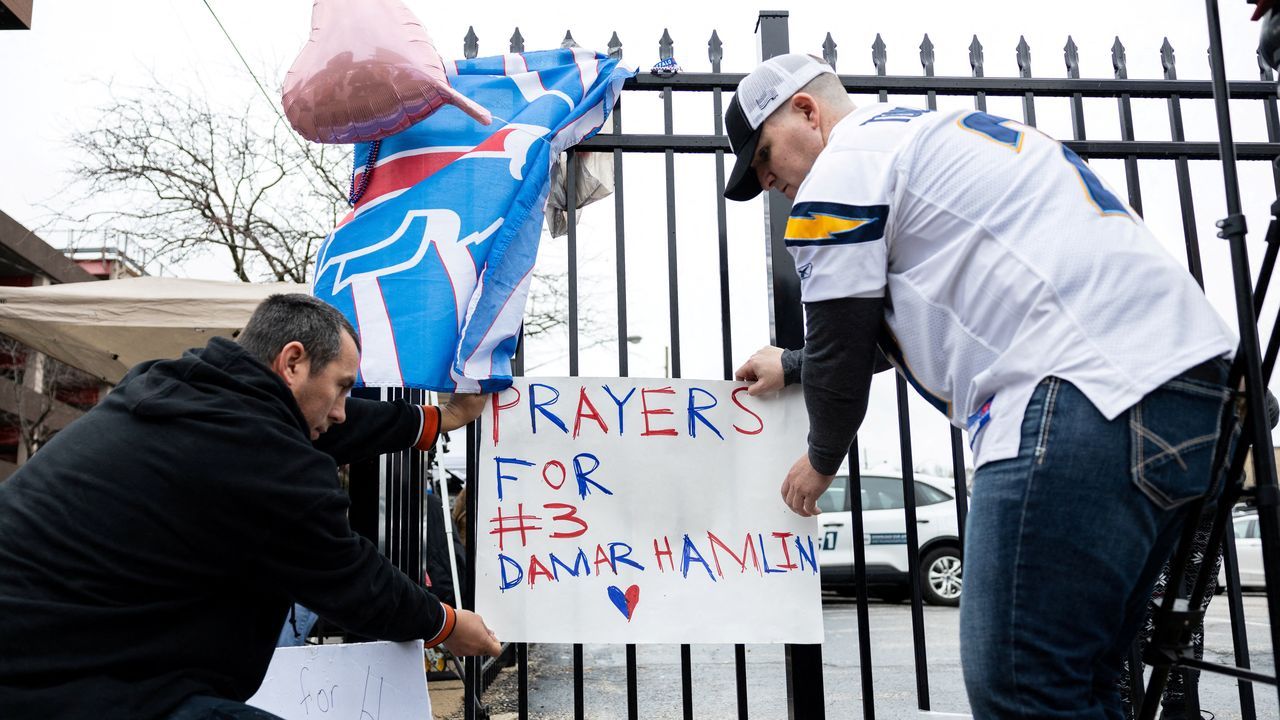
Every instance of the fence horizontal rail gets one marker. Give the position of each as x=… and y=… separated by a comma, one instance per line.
x=965, y=86
x=1093, y=149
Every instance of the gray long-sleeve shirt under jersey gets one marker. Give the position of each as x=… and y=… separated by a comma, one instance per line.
x=835, y=366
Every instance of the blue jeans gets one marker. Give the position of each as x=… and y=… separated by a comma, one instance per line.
x=1064, y=542
x=202, y=707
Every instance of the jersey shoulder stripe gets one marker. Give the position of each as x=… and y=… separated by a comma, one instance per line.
x=827, y=223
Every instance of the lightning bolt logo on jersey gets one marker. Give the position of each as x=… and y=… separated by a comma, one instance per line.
x=817, y=223
x=433, y=264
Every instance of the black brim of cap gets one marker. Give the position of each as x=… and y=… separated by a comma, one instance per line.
x=743, y=183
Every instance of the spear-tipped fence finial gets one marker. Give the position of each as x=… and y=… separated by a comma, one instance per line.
x=829, y=51
x=470, y=44
x=975, y=57
x=1118, y=61
x=926, y=55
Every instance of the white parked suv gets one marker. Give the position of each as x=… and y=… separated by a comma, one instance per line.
x=1248, y=553
x=885, y=537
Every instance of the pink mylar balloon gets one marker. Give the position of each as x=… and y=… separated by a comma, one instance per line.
x=369, y=70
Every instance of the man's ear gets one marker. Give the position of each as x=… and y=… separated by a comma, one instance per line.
x=807, y=106
x=292, y=363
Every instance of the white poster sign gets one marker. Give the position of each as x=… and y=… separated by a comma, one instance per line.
x=358, y=681
x=624, y=510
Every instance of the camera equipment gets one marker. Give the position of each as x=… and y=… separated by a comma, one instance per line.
x=1179, y=614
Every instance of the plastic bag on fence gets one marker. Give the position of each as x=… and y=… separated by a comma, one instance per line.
x=594, y=182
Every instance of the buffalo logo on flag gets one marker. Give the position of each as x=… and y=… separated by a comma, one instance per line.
x=433, y=264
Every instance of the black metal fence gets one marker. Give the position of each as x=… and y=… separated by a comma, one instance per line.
x=400, y=520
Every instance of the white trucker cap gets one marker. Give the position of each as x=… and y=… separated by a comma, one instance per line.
x=759, y=94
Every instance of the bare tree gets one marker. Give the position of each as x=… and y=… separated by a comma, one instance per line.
x=165, y=171
x=187, y=178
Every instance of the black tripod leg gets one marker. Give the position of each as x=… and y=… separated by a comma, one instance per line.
x=1257, y=431
x=1239, y=637
x=1269, y=524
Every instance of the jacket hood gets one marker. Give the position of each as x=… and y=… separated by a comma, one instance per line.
x=208, y=380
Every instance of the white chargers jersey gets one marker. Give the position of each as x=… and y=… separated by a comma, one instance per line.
x=1003, y=260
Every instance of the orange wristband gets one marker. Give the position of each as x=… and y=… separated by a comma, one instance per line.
x=431, y=418
x=450, y=621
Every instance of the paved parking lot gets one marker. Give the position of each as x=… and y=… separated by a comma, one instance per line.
x=551, y=671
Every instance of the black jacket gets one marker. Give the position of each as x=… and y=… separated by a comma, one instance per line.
x=151, y=550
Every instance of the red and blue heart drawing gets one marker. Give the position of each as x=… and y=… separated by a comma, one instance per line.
x=625, y=601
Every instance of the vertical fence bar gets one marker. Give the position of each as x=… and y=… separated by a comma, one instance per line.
x=619, y=227
x=913, y=545
x=926, y=61
x=853, y=503
x=620, y=251
x=665, y=52
x=786, y=320
x=1071, y=55
x=915, y=572
x=958, y=474
x=804, y=662
x=516, y=45
x=1273, y=134
x=571, y=192
x=854, y=500
x=571, y=201
x=471, y=665
x=522, y=686
x=579, y=694
x=1273, y=247
x=1024, y=71
x=1272, y=113
x=975, y=64
x=860, y=583
x=960, y=479
x=1181, y=170
x=1239, y=633
x=1233, y=230
x=1120, y=64
x=715, y=53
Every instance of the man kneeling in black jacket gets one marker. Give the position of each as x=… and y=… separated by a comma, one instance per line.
x=150, y=551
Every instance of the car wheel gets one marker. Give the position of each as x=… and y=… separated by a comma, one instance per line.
x=942, y=577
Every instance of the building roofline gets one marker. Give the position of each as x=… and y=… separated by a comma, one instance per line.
x=39, y=255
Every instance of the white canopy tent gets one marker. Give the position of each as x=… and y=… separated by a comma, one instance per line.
x=106, y=327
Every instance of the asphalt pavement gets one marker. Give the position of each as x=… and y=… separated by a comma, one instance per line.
x=895, y=688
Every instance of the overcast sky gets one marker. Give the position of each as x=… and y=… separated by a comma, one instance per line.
x=80, y=51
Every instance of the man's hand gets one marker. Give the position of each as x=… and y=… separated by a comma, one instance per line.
x=803, y=486
x=763, y=370
x=471, y=636
x=461, y=409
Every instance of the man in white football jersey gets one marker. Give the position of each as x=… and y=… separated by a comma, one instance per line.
x=1021, y=297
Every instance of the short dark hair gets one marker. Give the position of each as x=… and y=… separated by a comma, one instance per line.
x=282, y=319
